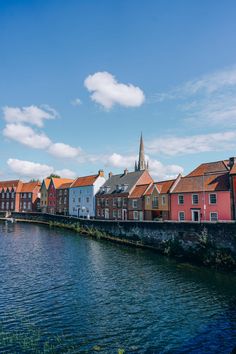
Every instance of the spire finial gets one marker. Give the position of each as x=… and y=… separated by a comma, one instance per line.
x=141, y=162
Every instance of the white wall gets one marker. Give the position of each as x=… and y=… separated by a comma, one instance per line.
x=86, y=204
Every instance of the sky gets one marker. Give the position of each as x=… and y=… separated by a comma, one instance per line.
x=80, y=80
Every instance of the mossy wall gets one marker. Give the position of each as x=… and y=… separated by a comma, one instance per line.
x=212, y=244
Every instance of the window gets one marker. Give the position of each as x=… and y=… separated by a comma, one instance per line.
x=114, y=202
x=212, y=198
x=98, y=212
x=148, y=200
x=87, y=199
x=29, y=205
x=214, y=216
x=119, y=202
x=12, y=194
x=163, y=200
x=79, y=200
x=194, y=198
x=114, y=214
x=107, y=202
x=98, y=202
x=180, y=199
x=155, y=202
x=181, y=216
x=134, y=203
x=12, y=205
x=135, y=215
x=7, y=195
x=2, y=205
x=119, y=213
x=124, y=202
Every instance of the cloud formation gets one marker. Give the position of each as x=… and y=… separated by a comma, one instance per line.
x=63, y=150
x=30, y=115
x=29, y=169
x=26, y=136
x=193, y=144
x=107, y=92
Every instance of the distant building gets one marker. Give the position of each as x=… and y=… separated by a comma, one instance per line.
x=44, y=195
x=10, y=195
x=122, y=196
x=203, y=195
x=55, y=183
x=30, y=196
x=82, y=195
x=62, y=197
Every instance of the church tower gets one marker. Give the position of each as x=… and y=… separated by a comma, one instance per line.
x=141, y=165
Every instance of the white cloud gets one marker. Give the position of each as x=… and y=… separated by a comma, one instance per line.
x=31, y=115
x=206, y=85
x=63, y=150
x=76, y=102
x=107, y=91
x=117, y=160
x=26, y=136
x=193, y=144
x=29, y=169
x=157, y=169
x=65, y=173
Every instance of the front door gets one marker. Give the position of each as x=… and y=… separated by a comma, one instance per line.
x=124, y=214
x=196, y=215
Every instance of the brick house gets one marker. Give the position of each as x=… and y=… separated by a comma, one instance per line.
x=55, y=183
x=112, y=200
x=10, y=195
x=44, y=195
x=136, y=202
x=203, y=195
x=62, y=197
x=30, y=196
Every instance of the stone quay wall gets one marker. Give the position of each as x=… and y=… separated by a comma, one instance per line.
x=210, y=244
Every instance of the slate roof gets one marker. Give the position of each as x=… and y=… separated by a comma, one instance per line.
x=129, y=179
x=208, y=183
x=84, y=181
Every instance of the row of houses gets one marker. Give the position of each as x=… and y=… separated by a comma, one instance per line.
x=208, y=193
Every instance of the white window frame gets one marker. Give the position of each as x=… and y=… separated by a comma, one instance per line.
x=135, y=215
x=210, y=198
x=181, y=212
x=193, y=195
x=163, y=200
x=134, y=203
x=216, y=213
x=180, y=195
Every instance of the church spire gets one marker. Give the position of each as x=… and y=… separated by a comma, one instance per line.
x=142, y=165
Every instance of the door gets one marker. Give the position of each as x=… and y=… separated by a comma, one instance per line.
x=196, y=215
x=124, y=214
x=141, y=216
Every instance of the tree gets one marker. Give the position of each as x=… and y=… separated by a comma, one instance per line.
x=53, y=175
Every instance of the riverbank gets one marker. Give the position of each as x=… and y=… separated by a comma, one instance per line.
x=209, y=244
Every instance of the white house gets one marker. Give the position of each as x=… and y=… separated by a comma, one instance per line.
x=82, y=195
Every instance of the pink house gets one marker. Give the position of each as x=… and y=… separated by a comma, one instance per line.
x=203, y=195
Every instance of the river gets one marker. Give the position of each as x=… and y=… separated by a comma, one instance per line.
x=65, y=293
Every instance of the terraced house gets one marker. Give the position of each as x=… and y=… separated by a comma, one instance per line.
x=204, y=194
x=10, y=195
x=62, y=198
x=54, y=185
x=30, y=196
x=122, y=196
x=44, y=195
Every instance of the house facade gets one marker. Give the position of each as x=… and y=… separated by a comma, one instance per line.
x=62, y=199
x=30, y=197
x=136, y=202
x=203, y=195
x=10, y=195
x=55, y=183
x=82, y=195
x=44, y=195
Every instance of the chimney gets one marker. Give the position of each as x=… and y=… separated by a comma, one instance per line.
x=232, y=161
x=101, y=173
x=126, y=171
x=110, y=174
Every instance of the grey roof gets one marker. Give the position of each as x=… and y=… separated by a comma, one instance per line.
x=130, y=179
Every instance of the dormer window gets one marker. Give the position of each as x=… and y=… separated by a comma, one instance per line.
x=118, y=188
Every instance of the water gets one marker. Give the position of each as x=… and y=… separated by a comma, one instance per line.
x=65, y=293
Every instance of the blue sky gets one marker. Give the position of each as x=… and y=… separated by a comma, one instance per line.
x=81, y=79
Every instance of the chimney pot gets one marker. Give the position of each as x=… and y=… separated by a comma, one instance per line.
x=110, y=174
x=101, y=173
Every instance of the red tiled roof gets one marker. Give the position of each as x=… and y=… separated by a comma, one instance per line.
x=210, y=167
x=84, y=181
x=139, y=191
x=66, y=185
x=164, y=186
x=209, y=183
x=14, y=184
x=29, y=187
x=59, y=181
x=47, y=182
